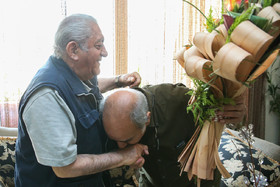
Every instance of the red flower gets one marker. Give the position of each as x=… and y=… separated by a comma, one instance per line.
x=229, y=4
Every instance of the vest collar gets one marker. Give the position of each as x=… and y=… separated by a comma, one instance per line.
x=75, y=83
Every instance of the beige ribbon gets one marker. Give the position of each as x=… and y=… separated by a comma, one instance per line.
x=251, y=39
x=271, y=14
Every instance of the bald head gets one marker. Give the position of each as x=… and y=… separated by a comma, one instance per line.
x=125, y=116
x=125, y=103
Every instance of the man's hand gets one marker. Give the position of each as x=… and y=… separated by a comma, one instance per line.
x=87, y=164
x=232, y=113
x=133, y=155
x=131, y=80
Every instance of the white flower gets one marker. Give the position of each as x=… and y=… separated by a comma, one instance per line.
x=233, y=165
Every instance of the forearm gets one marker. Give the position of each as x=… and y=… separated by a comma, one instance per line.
x=87, y=164
x=106, y=84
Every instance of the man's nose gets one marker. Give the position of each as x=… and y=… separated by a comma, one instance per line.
x=122, y=144
x=104, y=52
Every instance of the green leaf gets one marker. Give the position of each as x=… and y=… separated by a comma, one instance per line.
x=257, y=20
x=266, y=3
x=205, y=104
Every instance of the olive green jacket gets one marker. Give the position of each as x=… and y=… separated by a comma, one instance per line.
x=166, y=136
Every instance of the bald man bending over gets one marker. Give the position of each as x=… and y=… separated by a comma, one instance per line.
x=156, y=116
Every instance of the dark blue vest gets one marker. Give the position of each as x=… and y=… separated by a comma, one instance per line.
x=90, y=133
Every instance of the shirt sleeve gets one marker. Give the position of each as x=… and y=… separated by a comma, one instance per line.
x=51, y=127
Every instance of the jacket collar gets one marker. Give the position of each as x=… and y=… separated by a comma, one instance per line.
x=151, y=104
x=154, y=125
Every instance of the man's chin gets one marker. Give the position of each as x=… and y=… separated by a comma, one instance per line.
x=96, y=72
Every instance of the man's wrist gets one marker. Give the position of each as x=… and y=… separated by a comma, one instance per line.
x=117, y=81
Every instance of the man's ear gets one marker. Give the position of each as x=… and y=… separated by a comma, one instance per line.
x=149, y=118
x=72, y=50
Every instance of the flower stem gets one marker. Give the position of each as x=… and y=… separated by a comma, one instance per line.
x=251, y=156
x=197, y=9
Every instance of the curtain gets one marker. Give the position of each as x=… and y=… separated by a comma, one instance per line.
x=157, y=30
x=121, y=36
x=26, y=28
x=152, y=30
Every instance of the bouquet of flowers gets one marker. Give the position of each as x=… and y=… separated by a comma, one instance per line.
x=238, y=47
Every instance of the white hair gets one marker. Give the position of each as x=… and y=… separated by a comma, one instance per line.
x=76, y=27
